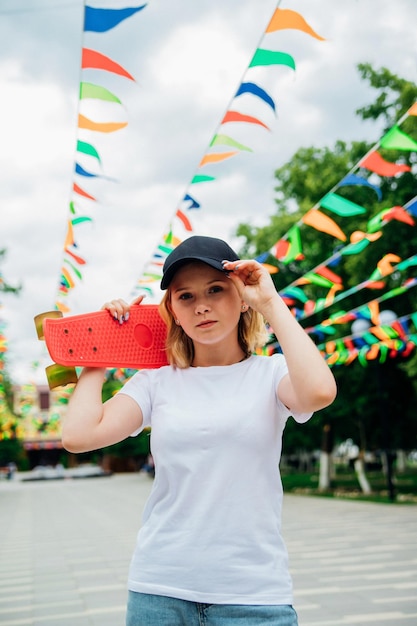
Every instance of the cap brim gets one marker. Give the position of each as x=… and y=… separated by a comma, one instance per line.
x=171, y=271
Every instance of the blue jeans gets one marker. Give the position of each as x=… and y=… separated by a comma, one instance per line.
x=150, y=610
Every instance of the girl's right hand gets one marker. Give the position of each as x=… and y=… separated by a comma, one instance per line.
x=119, y=308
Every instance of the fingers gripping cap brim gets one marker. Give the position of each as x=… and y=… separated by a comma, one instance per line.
x=207, y=250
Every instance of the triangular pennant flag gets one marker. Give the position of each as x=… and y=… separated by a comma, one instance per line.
x=216, y=157
x=101, y=127
x=224, y=140
x=95, y=60
x=69, y=238
x=384, y=266
x=200, y=178
x=87, y=148
x=354, y=179
x=374, y=311
x=315, y=279
x=89, y=90
x=294, y=292
x=184, y=219
x=271, y=57
x=295, y=250
x=235, y=116
x=341, y=206
x=76, y=257
x=375, y=163
x=101, y=20
x=80, y=220
x=81, y=192
x=256, y=91
x=285, y=18
x=323, y=270
x=82, y=172
x=280, y=249
x=400, y=214
x=194, y=204
x=395, y=139
x=318, y=220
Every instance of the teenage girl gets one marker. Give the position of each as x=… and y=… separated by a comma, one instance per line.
x=210, y=551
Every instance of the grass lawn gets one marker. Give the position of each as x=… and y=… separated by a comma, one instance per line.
x=346, y=485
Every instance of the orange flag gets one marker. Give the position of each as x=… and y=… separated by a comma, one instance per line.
x=413, y=110
x=384, y=265
x=373, y=307
x=285, y=18
x=318, y=220
x=102, y=127
x=215, y=157
x=69, y=238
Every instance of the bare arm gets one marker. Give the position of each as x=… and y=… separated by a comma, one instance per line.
x=310, y=385
x=89, y=424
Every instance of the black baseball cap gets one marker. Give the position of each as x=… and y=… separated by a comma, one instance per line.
x=209, y=250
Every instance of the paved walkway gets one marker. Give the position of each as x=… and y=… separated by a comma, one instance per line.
x=65, y=547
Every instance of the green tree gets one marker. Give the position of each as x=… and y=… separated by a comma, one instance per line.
x=135, y=449
x=300, y=185
x=4, y=286
x=11, y=448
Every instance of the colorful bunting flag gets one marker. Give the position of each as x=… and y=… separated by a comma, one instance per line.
x=287, y=19
x=270, y=57
x=396, y=139
x=97, y=20
x=318, y=220
x=355, y=179
x=91, y=59
x=375, y=163
x=256, y=91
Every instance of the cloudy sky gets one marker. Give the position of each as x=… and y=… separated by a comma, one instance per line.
x=188, y=59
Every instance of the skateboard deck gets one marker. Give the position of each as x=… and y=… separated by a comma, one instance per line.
x=98, y=340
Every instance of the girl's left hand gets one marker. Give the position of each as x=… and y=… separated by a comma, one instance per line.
x=253, y=282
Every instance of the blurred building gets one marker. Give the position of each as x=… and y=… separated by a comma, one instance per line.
x=40, y=412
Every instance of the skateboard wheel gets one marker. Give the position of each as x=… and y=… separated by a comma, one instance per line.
x=60, y=376
x=39, y=321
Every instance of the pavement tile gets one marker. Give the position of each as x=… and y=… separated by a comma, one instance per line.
x=66, y=547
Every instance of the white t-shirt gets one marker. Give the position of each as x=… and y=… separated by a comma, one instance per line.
x=211, y=528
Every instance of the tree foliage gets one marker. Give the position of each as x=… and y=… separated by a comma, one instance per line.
x=4, y=286
x=136, y=448
x=10, y=448
x=374, y=402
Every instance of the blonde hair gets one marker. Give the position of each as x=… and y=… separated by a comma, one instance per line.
x=252, y=334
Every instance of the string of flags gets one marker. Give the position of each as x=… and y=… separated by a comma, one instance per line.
x=9, y=426
x=378, y=342
x=324, y=278
x=88, y=163
x=289, y=248
x=331, y=283
x=227, y=142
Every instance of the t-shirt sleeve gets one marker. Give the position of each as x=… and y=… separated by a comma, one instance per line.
x=139, y=388
x=281, y=369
